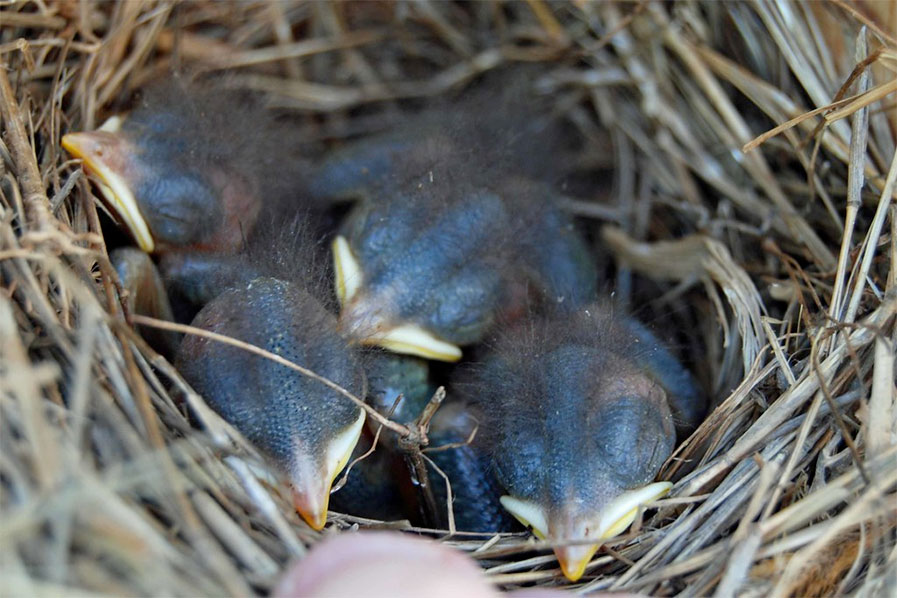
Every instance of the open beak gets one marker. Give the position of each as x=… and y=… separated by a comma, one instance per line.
x=312, y=478
x=110, y=159
x=370, y=327
x=576, y=528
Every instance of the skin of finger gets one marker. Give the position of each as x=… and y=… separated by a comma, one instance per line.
x=384, y=564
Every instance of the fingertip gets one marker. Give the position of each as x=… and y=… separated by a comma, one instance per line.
x=383, y=564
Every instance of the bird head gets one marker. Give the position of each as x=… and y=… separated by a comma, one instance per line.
x=578, y=427
x=306, y=427
x=184, y=169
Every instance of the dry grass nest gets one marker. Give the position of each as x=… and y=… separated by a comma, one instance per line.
x=750, y=161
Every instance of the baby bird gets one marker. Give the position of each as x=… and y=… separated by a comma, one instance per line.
x=446, y=236
x=273, y=296
x=267, y=296
x=190, y=168
x=580, y=412
x=190, y=172
x=423, y=272
x=305, y=427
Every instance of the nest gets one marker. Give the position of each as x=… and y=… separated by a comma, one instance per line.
x=750, y=154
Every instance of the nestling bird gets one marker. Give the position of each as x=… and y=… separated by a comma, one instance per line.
x=190, y=172
x=276, y=302
x=307, y=428
x=447, y=235
x=580, y=412
x=270, y=295
x=191, y=167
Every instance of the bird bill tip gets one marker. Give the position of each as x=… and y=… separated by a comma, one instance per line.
x=311, y=505
x=574, y=559
x=587, y=530
x=313, y=479
x=310, y=488
x=615, y=518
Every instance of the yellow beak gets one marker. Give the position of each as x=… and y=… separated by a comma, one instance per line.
x=312, y=480
x=106, y=156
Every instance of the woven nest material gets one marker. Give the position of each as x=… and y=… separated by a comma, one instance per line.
x=750, y=148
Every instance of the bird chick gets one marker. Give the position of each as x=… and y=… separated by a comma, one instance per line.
x=580, y=412
x=270, y=296
x=307, y=428
x=427, y=270
x=446, y=237
x=189, y=168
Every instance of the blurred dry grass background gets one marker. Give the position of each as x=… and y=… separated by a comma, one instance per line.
x=749, y=149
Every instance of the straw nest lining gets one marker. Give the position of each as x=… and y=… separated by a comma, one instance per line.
x=775, y=257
